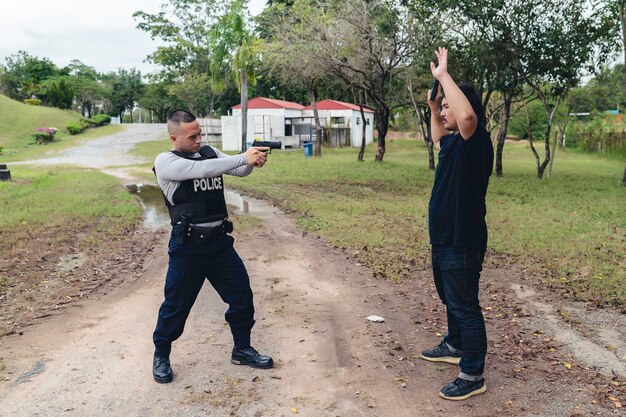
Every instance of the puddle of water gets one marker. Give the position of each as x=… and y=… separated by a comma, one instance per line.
x=155, y=213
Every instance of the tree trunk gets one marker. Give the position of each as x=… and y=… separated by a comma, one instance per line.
x=622, y=19
x=532, y=147
x=429, y=136
x=364, y=131
x=428, y=140
x=536, y=154
x=546, y=139
x=556, y=139
x=316, y=118
x=382, y=113
x=244, y=110
x=501, y=137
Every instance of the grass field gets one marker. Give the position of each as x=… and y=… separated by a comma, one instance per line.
x=567, y=231
x=34, y=151
x=19, y=121
x=62, y=202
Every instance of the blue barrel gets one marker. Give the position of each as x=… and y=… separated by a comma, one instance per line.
x=308, y=149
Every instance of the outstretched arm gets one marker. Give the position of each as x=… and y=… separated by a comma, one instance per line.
x=243, y=171
x=173, y=168
x=466, y=119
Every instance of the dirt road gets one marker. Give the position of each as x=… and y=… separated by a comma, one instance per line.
x=312, y=301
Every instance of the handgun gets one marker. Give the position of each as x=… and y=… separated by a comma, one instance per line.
x=268, y=143
x=433, y=91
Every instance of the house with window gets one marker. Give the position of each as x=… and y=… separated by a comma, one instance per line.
x=293, y=124
x=268, y=119
x=343, y=123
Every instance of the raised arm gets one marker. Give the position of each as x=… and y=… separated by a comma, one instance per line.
x=466, y=119
x=437, y=129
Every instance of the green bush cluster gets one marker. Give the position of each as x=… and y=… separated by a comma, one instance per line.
x=101, y=119
x=32, y=101
x=597, y=135
x=78, y=127
x=75, y=128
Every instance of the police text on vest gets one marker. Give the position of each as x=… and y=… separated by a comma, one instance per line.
x=206, y=184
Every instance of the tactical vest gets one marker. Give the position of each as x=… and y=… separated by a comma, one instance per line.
x=200, y=200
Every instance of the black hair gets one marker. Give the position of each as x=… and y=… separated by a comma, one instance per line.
x=475, y=101
x=179, y=116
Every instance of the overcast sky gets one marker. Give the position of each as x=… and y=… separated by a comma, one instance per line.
x=99, y=34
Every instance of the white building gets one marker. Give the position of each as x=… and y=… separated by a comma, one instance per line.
x=293, y=124
x=337, y=115
x=268, y=119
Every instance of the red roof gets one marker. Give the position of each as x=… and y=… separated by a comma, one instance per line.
x=270, y=103
x=337, y=105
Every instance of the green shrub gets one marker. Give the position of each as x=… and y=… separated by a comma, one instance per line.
x=32, y=101
x=87, y=122
x=78, y=127
x=74, y=128
x=596, y=135
x=101, y=119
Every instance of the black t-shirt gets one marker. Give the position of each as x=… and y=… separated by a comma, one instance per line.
x=456, y=213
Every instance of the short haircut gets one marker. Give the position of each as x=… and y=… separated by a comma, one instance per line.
x=475, y=101
x=177, y=117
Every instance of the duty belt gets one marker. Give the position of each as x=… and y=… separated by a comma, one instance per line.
x=202, y=235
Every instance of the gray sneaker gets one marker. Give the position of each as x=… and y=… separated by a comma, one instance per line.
x=442, y=354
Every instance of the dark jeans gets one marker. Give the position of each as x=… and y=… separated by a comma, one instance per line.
x=457, y=274
x=189, y=265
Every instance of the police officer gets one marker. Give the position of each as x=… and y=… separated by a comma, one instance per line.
x=200, y=246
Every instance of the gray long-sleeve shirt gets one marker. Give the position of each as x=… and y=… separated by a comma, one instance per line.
x=171, y=169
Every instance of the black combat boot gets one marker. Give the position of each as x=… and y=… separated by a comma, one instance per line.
x=249, y=356
x=161, y=370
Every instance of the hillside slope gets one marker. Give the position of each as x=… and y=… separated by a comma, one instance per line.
x=18, y=121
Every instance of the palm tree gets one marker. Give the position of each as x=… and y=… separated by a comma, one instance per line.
x=237, y=46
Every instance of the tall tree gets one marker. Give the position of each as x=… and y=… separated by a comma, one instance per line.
x=234, y=44
x=158, y=100
x=126, y=88
x=423, y=118
x=621, y=11
x=185, y=26
x=564, y=38
x=59, y=92
x=191, y=90
x=88, y=91
x=23, y=73
x=292, y=51
x=488, y=35
x=369, y=44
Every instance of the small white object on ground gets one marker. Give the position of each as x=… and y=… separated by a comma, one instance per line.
x=376, y=319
